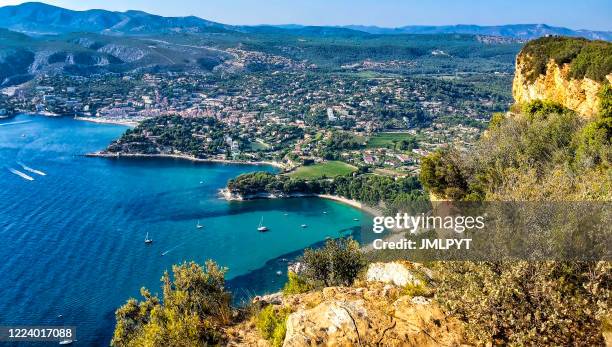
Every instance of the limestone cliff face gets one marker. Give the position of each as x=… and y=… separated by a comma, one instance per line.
x=580, y=95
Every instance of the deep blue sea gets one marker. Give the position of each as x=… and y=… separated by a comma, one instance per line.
x=71, y=241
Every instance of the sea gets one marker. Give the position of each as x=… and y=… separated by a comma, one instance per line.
x=72, y=228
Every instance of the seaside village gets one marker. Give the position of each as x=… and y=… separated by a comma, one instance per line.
x=385, y=124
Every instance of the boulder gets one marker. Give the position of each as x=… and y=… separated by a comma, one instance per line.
x=396, y=273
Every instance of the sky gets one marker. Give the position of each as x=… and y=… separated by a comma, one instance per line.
x=574, y=14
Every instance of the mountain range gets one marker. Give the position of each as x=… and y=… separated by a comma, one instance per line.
x=517, y=31
x=38, y=18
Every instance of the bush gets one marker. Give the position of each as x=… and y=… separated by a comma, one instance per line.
x=528, y=303
x=542, y=109
x=272, y=324
x=594, y=144
x=419, y=289
x=496, y=120
x=442, y=175
x=336, y=264
x=295, y=285
x=195, y=306
x=605, y=101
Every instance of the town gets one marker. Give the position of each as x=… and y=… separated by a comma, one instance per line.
x=293, y=114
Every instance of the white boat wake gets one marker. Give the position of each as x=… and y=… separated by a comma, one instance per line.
x=171, y=249
x=27, y=168
x=21, y=174
x=18, y=122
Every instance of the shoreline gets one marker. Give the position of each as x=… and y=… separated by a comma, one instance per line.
x=226, y=195
x=185, y=157
x=107, y=121
x=354, y=203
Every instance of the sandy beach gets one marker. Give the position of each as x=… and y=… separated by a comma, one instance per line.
x=354, y=203
x=107, y=121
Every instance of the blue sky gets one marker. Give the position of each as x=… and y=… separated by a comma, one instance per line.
x=575, y=14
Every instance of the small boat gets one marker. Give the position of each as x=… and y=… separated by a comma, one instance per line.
x=356, y=219
x=324, y=212
x=286, y=214
x=304, y=226
x=199, y=226
x=66, y=342
x=262, y=227
x=279, y=272
x=148, y=240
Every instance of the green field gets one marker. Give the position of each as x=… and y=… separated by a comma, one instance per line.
x=327, y=169
x=258, y=146
x=386, y=140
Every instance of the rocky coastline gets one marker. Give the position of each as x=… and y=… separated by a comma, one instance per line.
x=104, y=154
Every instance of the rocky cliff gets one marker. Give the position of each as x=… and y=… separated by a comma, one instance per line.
x=568, y=71
x=389, y=306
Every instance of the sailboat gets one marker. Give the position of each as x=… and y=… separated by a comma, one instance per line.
x=147, y=239
x=199, y=226
x=262, y=227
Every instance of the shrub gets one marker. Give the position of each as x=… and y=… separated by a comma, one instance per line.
x=272, y=324
x=336, y=264
x=419, y=289
x=496, y=120
x=295, y=285
x=528, y=303
x=542, y=109
x=195, y=305
x=442, y=175
x=605, y=101
x=594, y=145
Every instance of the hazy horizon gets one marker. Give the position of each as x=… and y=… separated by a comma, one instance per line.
x=589, y=15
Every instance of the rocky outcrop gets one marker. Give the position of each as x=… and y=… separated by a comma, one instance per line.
x=396, y=273
x=373, y=315
x=376, y=311
x=580, y=95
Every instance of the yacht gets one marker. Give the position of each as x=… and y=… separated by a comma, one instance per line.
x=262, y=227
x=147, y=240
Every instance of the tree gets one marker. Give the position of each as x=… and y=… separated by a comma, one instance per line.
x=336, y=264
x=195, y=305
x=441, y=174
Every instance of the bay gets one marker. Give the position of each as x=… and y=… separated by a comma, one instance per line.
x=71, y=240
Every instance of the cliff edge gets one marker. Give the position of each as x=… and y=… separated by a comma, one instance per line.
x=568, y=71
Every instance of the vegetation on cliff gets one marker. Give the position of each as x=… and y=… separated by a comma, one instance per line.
x=591, y=59
x=542, y=153
x=195, y=305
x=545, y=146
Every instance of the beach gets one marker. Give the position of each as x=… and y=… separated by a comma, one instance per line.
x=107, y=121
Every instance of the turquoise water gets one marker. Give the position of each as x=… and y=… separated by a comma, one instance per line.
x=71, y=242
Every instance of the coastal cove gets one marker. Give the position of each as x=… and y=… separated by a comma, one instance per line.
x=73, y=235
